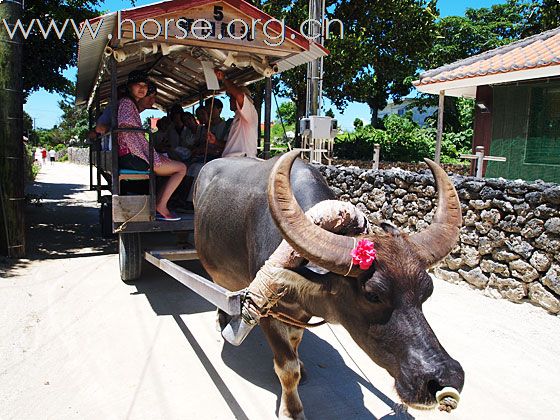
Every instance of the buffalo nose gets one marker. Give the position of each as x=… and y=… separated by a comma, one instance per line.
x=450, y=374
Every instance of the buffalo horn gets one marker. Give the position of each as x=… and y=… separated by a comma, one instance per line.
x=321, y=247
x=435, y=242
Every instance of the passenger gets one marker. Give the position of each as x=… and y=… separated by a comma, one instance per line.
x=218, y=125
x=243, y=133
x=179, y=136
x=161, y=144
x=202, y=116
x=103, y=124
x=133, y=147
x=148, y=101
x=189, y=121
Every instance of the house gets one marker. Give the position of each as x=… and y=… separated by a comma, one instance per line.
x=517, y=93
x=402, y=108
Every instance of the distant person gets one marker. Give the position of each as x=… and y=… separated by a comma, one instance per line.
x=38, y=154
x=52, y=155
x=218, y=126
x=44, y=155
x=243, y=133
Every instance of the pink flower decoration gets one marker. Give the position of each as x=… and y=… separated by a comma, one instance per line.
x=364, y=254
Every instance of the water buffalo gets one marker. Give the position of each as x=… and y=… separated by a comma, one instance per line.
x=245, y=207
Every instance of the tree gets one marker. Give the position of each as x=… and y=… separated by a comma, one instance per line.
x=74, y=124
x=358, y=123
x=27, y=124
x=286, y=112
x=12, y=170
x=381, y=51
x=487, y=28
x=52, y=53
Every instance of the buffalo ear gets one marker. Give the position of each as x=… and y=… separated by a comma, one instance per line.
x=390, y=228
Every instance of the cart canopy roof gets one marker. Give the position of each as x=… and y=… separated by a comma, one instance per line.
x=170, y=39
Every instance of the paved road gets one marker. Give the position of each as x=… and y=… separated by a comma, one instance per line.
x=77, y=343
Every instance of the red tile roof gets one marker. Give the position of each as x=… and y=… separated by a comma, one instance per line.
x=537, y=51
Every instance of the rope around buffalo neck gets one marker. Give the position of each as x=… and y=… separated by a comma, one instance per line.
x=263, y=294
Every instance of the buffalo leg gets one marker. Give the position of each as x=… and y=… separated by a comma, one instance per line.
x=284, y=341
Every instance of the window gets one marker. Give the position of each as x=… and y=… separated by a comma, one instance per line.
x=543, y=136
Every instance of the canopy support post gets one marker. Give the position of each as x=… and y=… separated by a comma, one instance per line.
x=114, y=125
x=267, y=117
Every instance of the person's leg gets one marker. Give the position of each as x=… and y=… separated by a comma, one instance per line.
x=176, y=171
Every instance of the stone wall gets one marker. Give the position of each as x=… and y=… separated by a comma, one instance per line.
x=510, y=239
x=78, y=155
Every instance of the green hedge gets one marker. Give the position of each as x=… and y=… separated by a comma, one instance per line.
x=401, y=140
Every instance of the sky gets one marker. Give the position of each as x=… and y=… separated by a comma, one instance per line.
x=43, y=106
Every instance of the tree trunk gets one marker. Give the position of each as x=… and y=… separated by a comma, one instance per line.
x=374, y=117
x=12, y=227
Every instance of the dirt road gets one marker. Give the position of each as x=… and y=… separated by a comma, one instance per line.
x=77, y=343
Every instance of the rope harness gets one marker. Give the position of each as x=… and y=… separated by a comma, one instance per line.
x=263, y=294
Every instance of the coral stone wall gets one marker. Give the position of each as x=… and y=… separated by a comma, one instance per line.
x=510, y=239
x=78, y=155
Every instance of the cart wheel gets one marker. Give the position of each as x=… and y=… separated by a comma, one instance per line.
x=130, y=256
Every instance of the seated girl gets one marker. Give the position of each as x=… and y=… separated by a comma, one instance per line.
x=134, y=149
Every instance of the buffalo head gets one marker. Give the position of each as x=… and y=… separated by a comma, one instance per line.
x=381, y=307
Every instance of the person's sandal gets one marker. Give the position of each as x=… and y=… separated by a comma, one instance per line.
x=161, y=217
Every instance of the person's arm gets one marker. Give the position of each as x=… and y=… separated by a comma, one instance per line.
x=101, y=129
x=103, y=123
x=231, y=88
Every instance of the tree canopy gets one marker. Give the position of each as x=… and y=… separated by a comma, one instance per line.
x=487, y=28
x=380, y=52
x=52, y=53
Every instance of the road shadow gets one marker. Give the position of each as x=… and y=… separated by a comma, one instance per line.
x=61, y=222
x=166, y=295
x=332, y=391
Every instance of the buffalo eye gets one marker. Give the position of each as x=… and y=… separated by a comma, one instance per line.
x=372, y=297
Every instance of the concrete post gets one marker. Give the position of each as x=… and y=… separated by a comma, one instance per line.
x=376, y=153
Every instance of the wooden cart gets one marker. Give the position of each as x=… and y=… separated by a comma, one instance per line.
x=133, y=40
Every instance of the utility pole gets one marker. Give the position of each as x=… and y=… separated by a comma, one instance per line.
x=315, y=68
x=12, y=201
